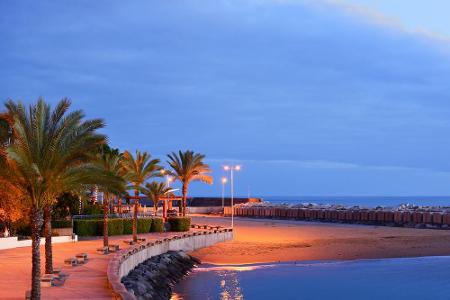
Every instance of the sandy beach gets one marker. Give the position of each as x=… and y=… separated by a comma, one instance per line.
x=266, y=240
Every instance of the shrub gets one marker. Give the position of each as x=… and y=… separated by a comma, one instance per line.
x=61, y=224
x=115, y=227
x=144, y=225
x=157, y=225
x=179, y=223
x=86, y=227
x=127, y=226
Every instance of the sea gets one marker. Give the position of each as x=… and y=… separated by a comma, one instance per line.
x=399, y=278
x=365, y=201
x=396, y=278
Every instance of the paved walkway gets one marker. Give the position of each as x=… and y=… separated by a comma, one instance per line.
x=85, y=281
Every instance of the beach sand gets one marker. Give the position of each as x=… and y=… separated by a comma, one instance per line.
x=266, y=240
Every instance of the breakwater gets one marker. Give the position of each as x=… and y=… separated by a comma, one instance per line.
x=405, y=218
x=155, y=277
x=124, y=261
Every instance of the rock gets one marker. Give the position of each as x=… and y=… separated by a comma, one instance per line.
x=155, y=277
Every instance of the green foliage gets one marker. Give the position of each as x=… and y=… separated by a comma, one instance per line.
x=157, y=225
x=127, y=226
x=94, y=227
x=86, y=227
x=61, y=224
x=21, y=227
x=115, y=227
x=179, y=223
x=66, y=205
x=144, y=225
x=92, y=209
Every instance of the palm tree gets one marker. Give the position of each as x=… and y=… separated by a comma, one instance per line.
x=155, y=190
x=49, y=153
x=110, y=161
x=187, y=167
x=138, y=170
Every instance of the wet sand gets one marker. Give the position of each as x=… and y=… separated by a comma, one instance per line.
x=265, y=240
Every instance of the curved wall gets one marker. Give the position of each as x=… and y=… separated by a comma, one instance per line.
x=127, y=259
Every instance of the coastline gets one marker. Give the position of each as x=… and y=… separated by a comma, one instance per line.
x=260, y=241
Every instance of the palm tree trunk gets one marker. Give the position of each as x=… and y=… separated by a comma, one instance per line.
x=185, y=190
x=36, y=226
x=105, y=219
x=48, y=239
x=135, y=214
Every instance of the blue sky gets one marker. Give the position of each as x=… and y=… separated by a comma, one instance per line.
x=311, y=97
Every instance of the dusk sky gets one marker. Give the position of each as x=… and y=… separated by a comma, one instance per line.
x=311, y=97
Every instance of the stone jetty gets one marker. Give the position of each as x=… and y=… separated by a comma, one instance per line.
x=402, y=216
x=155, y=277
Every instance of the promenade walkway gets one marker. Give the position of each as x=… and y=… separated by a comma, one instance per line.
x=87, y=281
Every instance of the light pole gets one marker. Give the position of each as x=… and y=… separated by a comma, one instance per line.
x=232, y=169
x=224, y=181
x=169, y=179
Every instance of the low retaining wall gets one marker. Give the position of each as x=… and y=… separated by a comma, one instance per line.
x=127, y=259
x=205, y=210
x=13, y=242
x=418, y=219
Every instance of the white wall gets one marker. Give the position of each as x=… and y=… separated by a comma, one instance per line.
x=13, y=242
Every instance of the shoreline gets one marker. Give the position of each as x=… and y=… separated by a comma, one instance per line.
x=259, y=241
x=312, y=262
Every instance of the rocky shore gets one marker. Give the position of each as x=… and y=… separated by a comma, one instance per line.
x=154, y=278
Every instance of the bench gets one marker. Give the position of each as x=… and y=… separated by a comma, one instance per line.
x=141, y=240
x=113, y=247
x=72, y=261
x=81, y=258
x=129, y=242
x=47, y=280
x=103, y=250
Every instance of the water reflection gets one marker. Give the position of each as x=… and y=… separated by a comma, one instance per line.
x=230, y=286
x=223, y=283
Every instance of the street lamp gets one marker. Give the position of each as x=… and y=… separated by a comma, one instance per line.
x=224, y=181
x=232, y=169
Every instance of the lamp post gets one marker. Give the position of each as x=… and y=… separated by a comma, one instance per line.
x=232, y=169
x=224, y=181
x=169, y=179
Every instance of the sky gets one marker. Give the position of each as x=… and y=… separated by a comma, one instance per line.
x=323, y=98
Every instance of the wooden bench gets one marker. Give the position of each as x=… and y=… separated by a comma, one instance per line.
x=72, y=261
x=103, y=250
x=82, y=258
x=129, y=242
x=113, y=247
x=141, y=240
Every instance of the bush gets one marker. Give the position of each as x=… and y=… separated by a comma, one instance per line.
x=157, y=225
x=94, y=227
x=179, y=223
x=87, y=227
x=61, y=224
x=115, y=227
x=127, y=226
x=93, y=209
x=144, y=225
x=21, y=227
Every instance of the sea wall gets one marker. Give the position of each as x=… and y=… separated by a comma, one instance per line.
x=127, y=259
x=414, y=219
